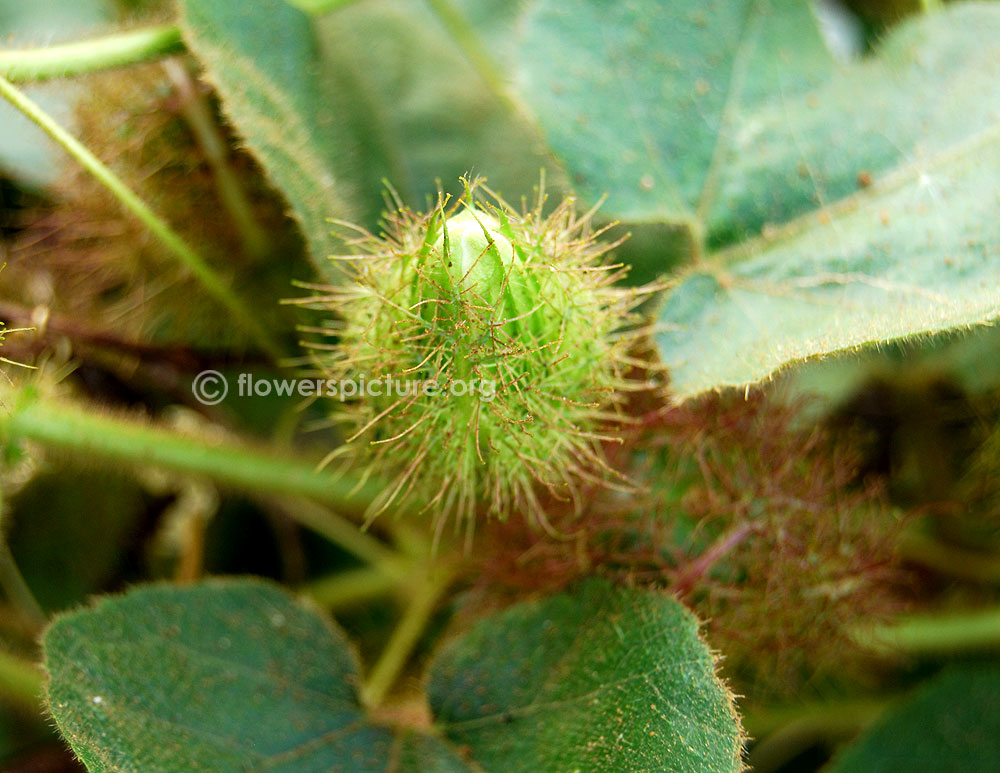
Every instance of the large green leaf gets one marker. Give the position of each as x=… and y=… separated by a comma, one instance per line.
x=951, y=724
x=915, y=253
x=930, y=87
x=599, y=680
x=334, y=106
x=643, y=100
x=236, y=675
x=264, y=58
x=223, y=676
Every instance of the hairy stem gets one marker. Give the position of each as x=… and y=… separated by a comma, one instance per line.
x=12, y=581
x=354, y=586
x=85, y=56
x=195, y=111
x=20, y=680
x=343, y=532
x=950, y=560
x=97, y=436
x=16, y=589
x=934, y=634
x=209, y=279
x=786, y=733
x=404, y=638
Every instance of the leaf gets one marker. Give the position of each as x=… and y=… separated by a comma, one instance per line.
x=335, y=105
x=222, y=676
x=930, y=88
x=599, y=680
x=950, y=723
x=913, y=254
x=263, y=57
x=236, y=675
x=639, y=99
x=434, y=115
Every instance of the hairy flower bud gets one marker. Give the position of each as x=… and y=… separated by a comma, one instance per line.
x=515, y=320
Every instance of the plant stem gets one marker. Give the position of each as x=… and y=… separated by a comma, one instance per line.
x=85, y=56
x=950, y=560
x=209, y=279
x=94, y=435
x=343, y=532
x=12, y=581
x=934, y=634
x=354, y=586
x=469, y=42
x=404, y=638
x=319, y=7
x=16, y=589
x=785, y=733
x=199, y=118
x=857, y=712
x=21, y=680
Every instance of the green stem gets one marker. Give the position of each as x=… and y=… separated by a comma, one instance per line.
x=12, y=581
x=208, y=278
x=950, y=560
x=21, y=680
x=195, y=111
x=469, y=42
x=404, y=638
x=934, y=634
x=85, y=56
x=786, y=733
x=319, y=7
x=762, y=721
x=97, y=436
x=352, y=587
x=345, y=533
x=16, y=589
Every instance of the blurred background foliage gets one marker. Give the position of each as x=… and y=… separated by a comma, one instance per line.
x=898, y=448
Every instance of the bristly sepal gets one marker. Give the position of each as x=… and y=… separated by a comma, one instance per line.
x=517, y=320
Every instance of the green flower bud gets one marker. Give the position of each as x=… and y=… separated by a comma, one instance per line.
x=517, y=321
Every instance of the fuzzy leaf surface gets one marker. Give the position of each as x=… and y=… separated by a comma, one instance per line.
x=644, y=100
x=915, y=253
x=264, y=59
x=222, y=676
x=237, y=675
x=600, y=679
x=335, y=105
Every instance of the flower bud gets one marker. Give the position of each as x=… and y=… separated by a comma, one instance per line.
x=517, y=321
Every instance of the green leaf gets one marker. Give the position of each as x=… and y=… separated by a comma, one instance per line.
x=335, y=105
x=950, y=723
x=642, y=100
x=913, y=254
x=264, y=59
x=929, y=88
x=222, y=676
x=603, y=679
x=237, y=675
